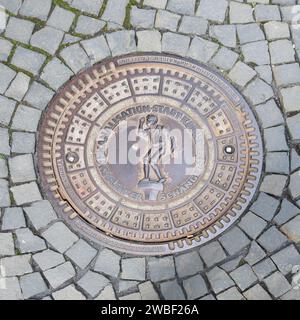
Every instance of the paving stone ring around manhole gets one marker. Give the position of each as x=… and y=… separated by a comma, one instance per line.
x=149, y=154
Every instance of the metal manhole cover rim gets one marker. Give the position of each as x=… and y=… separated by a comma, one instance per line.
x=63, y=207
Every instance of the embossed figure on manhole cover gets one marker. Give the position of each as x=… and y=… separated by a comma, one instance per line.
x=149, y=154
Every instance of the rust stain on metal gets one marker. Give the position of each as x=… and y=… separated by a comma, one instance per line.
x=151, y=207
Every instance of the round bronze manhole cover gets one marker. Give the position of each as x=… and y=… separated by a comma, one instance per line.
x=149, y=154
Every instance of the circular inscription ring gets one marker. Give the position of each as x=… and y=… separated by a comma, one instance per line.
x=149, y=154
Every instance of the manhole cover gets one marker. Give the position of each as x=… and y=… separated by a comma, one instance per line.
x=149, y=154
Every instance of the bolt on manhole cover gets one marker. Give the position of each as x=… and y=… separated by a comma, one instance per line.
x=149, y=154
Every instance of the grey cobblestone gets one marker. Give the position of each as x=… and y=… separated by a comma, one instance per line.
x=16, y=265
x=68, y=293
x=6, y=76
x=81, y=253
x=56, y=73
x=295, y=160
x=133, y=269
x=116, y=16
x=265, y=73
x=252, y=225
x=244, y=277
x=19, y=29
x=92, y=283
x=26, y=193
x=47, y=39
x=21, y=168
x=26, y=119
x=5, y=49
x=28, y=242
x=276, y=30
x=108, y=262
x=232, y=264
x=75, y=57
x=28, y=60
x=188, y=264
x=4, y=194
x=214, y=10
x=18, y=87
x=132, y=296
x=149, y=40
x=167, y=20
x=36, y=8
x=7, y=107
x=40, y=214
x=290, y=96
x=3, y=169
x=257, y=293
x=96, y=48
x=182, y=6
x=255, y=254
x=172, y=291
x=282, y=51
x=234, y=241
x=7, y=244
x=219, y=280
x=240, y=13
x=275, y=139
x=212, y=253
x=195, y=287
x=12, y=291
x=38, y=95
x=61, y=19
x=89, y=6
x=60, y=237
x=225, y=59
x=147, y=291
x=287, y=211
x=286, y=259
x=250, y=33
x=241, y=74
x=13, y=218
x=277, y=284
x=272, y=239
x=193, y=25
x=291, y=229
x=48, y=259
x=12, y=6
x=161, y=268
x=202, y=50
x=231, y=294
x=264, y=13
x=293, y=127
x=32, y=284
x=170, y=43
x=88, y=26
x=121, y=42
x=256, y=52
x=277, y=162
x=225, y=34
x=274, y=184
x=107, y=293
x=60, y=274
x=264, y=268
x=159, y=4
x=141, y=18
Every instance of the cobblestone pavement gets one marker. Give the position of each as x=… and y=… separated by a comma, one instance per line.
x=254, y=44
